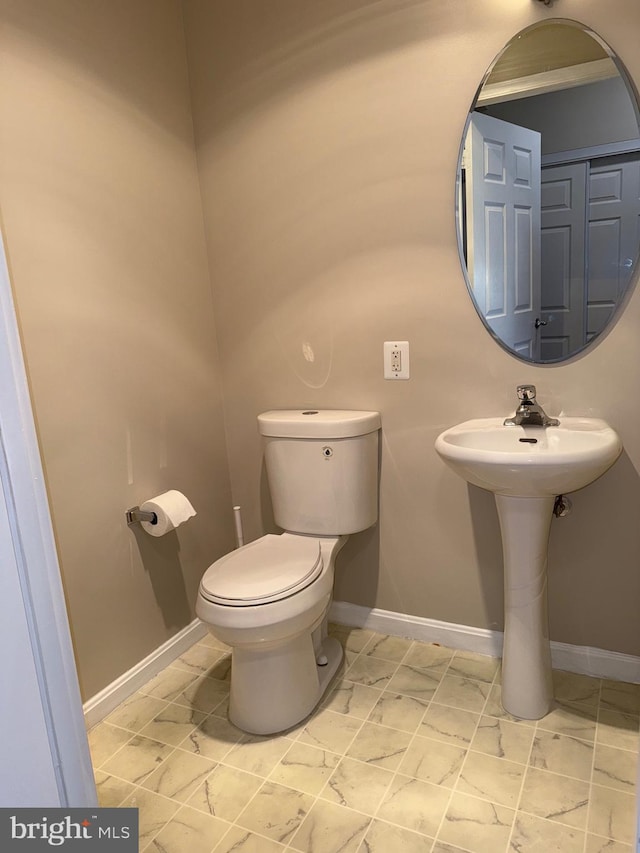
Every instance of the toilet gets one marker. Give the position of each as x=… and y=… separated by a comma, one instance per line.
x=269, y=600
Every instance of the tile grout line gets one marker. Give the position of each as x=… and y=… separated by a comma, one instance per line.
x=139, y=786
x=593, y=764
x=454, y=788
x=415, y=734
x=522, y=784
x=339, y=676
x=398, y=664
x=361, y=654
x=316, y=797
x=396, y=772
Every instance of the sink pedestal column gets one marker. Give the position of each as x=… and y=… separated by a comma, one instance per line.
x=527, y=689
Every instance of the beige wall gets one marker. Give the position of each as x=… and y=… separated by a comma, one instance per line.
x=327, y=137
x=104, y=234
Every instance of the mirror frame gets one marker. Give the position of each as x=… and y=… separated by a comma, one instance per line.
x=634, y=97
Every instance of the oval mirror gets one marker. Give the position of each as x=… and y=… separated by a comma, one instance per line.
x=548, y=192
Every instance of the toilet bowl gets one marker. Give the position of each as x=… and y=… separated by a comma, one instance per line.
x=269, y=600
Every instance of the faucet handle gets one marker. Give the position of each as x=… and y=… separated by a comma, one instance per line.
x=526, y=392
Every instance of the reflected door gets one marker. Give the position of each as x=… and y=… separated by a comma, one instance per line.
x=502, y=177
x=590, y=237
x=563, y=297
x=613, y=235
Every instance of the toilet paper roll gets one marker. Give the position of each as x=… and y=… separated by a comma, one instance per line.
x=172, y=508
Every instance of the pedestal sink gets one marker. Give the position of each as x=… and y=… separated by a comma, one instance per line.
x=527, y=467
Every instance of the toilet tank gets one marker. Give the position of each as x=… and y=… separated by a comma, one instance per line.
x=322, y=468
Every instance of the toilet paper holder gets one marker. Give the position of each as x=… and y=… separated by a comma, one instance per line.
x=136, y=514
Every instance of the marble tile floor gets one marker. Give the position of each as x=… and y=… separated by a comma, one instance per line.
x=409, y=752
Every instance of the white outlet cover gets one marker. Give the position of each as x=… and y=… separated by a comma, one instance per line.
x=396, y=360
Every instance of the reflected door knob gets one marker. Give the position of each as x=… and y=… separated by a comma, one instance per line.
x=540, y=322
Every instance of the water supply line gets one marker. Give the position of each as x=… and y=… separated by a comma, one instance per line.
x=562, y=506
x=237, y=517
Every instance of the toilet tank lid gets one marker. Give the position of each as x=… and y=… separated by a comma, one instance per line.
x=317, y=423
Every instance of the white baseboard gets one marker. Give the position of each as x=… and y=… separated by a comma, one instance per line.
x=598, y=663
x=96, y=708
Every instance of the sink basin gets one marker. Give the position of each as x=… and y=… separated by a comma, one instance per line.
x=526, y=467
x=529, y=461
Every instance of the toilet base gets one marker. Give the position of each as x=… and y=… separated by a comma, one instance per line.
x=274, y=688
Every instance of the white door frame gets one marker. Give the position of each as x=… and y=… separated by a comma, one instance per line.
x=59, y=765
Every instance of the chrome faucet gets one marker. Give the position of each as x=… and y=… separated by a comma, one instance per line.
x=530, y=412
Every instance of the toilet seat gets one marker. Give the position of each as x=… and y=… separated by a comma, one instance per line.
x=267, y=570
